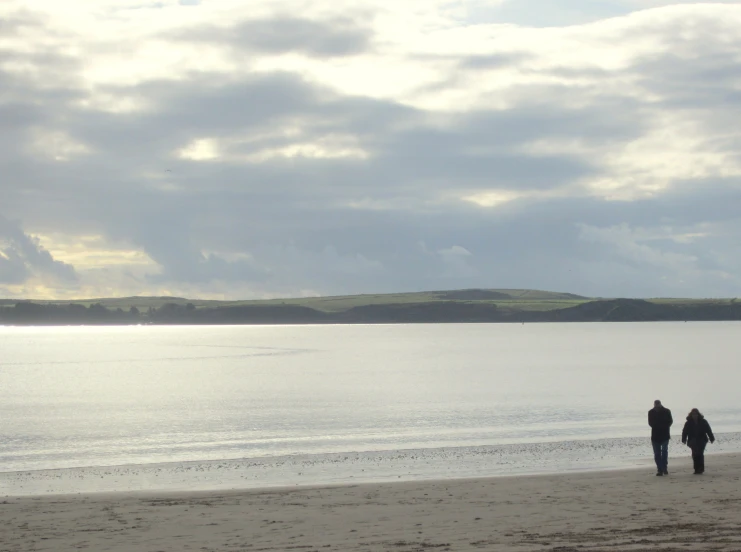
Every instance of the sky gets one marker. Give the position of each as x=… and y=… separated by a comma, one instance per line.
x=227, y=149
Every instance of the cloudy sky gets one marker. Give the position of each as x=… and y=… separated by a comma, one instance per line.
x=263, y=148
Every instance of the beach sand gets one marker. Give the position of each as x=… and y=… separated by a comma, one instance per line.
x=610, y=510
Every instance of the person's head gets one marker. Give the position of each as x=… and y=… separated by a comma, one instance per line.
x=695, y=414
x=657, y=404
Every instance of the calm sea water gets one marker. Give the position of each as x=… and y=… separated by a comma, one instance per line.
x=110, y=396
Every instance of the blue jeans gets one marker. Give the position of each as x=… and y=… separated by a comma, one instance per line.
x=661, y=454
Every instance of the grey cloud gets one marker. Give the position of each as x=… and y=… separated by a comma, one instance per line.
x=494, y=61
x=427, y=159
x=15, y=23
x=196, y=268
x=167, y=239
x=708, y=79
x=18, y=115
x=372, y=224
x=633, y=249
x=32, y=99
x=477, y=150
x=282, y=34
x=537, y=245
x=698, y=63
x=22, y=256
x=204, y=110
x=49, y=83
x=13, y=269
x=38, y=54
x=693, y=202
x=289, y=214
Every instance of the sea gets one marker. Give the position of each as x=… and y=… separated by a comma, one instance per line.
x=141, y=408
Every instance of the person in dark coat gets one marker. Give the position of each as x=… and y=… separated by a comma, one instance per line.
x=696, y=434
x=660, y=420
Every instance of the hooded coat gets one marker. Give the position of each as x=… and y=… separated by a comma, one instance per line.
x=697, y=432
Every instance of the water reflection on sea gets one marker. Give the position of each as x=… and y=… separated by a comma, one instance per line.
x=91, y=396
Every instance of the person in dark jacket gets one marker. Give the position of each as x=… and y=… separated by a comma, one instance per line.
x=696, y=434
x=660, y=420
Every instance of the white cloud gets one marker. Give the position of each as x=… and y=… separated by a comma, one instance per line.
x=56, y=145
x=456, y=260
x=629, y=245
x=492, y=198
x=201, y=149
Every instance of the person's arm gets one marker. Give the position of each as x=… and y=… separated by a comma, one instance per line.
x=709, y=432
x=650, y=418
x=684, y=433
x=671, y=420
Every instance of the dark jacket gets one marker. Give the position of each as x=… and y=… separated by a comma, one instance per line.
x=660, y=422
x=697, y=432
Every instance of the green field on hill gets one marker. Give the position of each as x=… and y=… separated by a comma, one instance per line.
x=506, y=299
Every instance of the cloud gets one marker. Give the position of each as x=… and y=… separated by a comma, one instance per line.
x=628, y=244
x=287, y=34
x=545, y=13
x=226, y=151
x=493, y=61
x=21, y=257
x=171, y=247
x=667, y=255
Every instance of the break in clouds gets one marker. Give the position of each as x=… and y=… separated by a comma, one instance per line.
x=210, y=149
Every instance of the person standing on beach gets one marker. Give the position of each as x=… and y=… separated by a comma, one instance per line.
x=696, y=434
x=660, y=420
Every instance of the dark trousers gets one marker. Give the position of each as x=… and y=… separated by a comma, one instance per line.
x=661, y=454
x=698, y=456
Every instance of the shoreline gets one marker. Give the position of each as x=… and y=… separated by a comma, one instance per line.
x=436, y=307
x=516, y=322
x=616, y=510
x=648, y=465
x=361, y=485
x=374, y=467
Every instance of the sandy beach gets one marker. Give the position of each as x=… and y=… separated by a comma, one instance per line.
x=609, y=510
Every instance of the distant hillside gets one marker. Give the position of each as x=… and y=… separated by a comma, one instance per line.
x=475, y=305
x=522, y=298
x=637, y=310
x=472, y=295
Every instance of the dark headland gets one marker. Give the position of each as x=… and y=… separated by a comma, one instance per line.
x=461, y=306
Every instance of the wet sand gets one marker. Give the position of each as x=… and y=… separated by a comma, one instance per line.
x=627, y=510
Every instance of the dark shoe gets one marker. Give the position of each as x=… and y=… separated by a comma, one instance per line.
x=666, y=472
x=698, y=472
x=659, y=474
